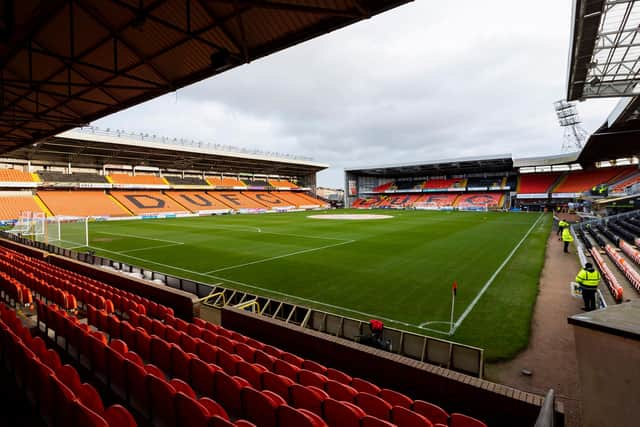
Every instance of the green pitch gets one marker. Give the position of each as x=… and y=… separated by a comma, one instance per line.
x=399, y=269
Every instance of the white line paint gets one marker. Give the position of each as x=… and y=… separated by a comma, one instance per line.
x=151, y=247
x=270, y=291
x=304, y=251
x=488, y=283
x=139, y=237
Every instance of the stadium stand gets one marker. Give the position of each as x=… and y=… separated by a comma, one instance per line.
x=580, y=181
x=626, y=182
x=15, y=175
x=398, y=200
x=187, y=180
x=537, y=183
x=82, y=203
x=409, y=185
x=439, y=200
x=55, y=390
x=147, y=202
x=236, y=200
x=478, y=200
x=135, y=355
x=76, y=177
x=384, y=187
x=486, y=183
x=197, y=201
x=122, y=178
x=437, y=184
x=312, y=201
x=301, y=200
x=255, y=182
x=281, y=183
x=270, y=200
x=11, y=206
x=225, y=182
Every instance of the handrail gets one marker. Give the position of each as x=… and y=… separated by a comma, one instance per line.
x=546, y=416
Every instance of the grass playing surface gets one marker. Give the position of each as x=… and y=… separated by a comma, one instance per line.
x=399, y=269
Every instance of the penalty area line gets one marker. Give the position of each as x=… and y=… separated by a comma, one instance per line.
x=488, y=283
x=304, y=251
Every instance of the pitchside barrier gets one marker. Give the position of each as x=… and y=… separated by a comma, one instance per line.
x=440, y=352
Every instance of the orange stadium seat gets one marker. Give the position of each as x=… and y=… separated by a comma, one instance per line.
x=439, y=200
x=15, y=175
x=443, y=183
x=147, y=202
x=196, y=201
x=472, y=200
x=579, y=181
x=384, y=187
x=270, y=200
x=236, y=200
x=537, y=183
x=12, y=206
x=81, y=203
x=624, y=183
x=226, y=182
x=123, y=178
x=280, y=183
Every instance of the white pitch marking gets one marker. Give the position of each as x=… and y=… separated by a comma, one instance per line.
x=488, y=283
x=270, y=291
x=151, y=247
x=139, y=237
x=304, y=251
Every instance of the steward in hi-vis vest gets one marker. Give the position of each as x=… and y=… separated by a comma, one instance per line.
x=566, y=238
x=589, y=279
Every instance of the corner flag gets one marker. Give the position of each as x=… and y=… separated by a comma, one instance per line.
x=454, y=291
x=454, y=288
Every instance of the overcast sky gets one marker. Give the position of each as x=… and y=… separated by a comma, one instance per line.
x=426, y=81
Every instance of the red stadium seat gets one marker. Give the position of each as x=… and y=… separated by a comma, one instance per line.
x=116, y=368
x=119, y=346
x=342, y=414
x=143, y=343
x=309, y=398
x=180, y=361
x=137, y=387
x=134, y=357
x=117, y=415
x=160, y=353
x=340, y=391
x=162, y=395
x=291, y=417
x=69, y=376
x=201, y=376
x=264, y=359
x=84, y=416
x=90, y=398
x=172, y=335
x=190, y=412
x=460, y=420
x=373, y=405
x=395, y=398
x=209, y=337
x=287, y=369
x=314, y=367
x=260, y=408
x=293, y=359
x=114, y=327
x=278, y=384
x=432, y=412
x=227, y=391
x=158, y=328
x=214, y=408
x=154, y=370
x=306, y=377
x=246, y=352
x=228, y=361
x=403, y=417
x=251, y=372
x=369, y=421
x=189, y=344
x=182, y=387
x=365, y=386
x=128, y=333
x=208, y=352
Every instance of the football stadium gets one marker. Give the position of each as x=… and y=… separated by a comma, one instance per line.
x=158, y=281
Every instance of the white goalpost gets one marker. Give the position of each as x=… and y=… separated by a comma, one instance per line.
x=63, y=231
x=67, y=231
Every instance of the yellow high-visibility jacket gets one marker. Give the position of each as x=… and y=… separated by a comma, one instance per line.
x=588, y=278
x=566, y=235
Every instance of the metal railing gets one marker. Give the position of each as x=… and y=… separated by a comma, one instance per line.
x=185, y=142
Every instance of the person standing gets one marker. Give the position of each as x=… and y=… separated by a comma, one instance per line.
x=588, y=279
x=562, y=224
x=566, y=238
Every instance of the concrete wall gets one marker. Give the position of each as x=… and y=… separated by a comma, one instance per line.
x=495, y=404
x=609, y=371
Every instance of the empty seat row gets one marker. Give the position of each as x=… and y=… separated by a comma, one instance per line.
x=28, y=269
x=251, y=360
x=166, y=402
x=54, y=389
x=12, y=289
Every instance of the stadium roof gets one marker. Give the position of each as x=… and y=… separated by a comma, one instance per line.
x=97, y=149
x=65, y=63
x=554, y=159
x=604, y=56
x=618, y=137
x=497, y=163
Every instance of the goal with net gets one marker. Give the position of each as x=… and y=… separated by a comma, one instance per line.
x=64, y=231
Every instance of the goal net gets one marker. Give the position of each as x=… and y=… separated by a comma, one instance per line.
x=67, y=232
x=30, y=224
